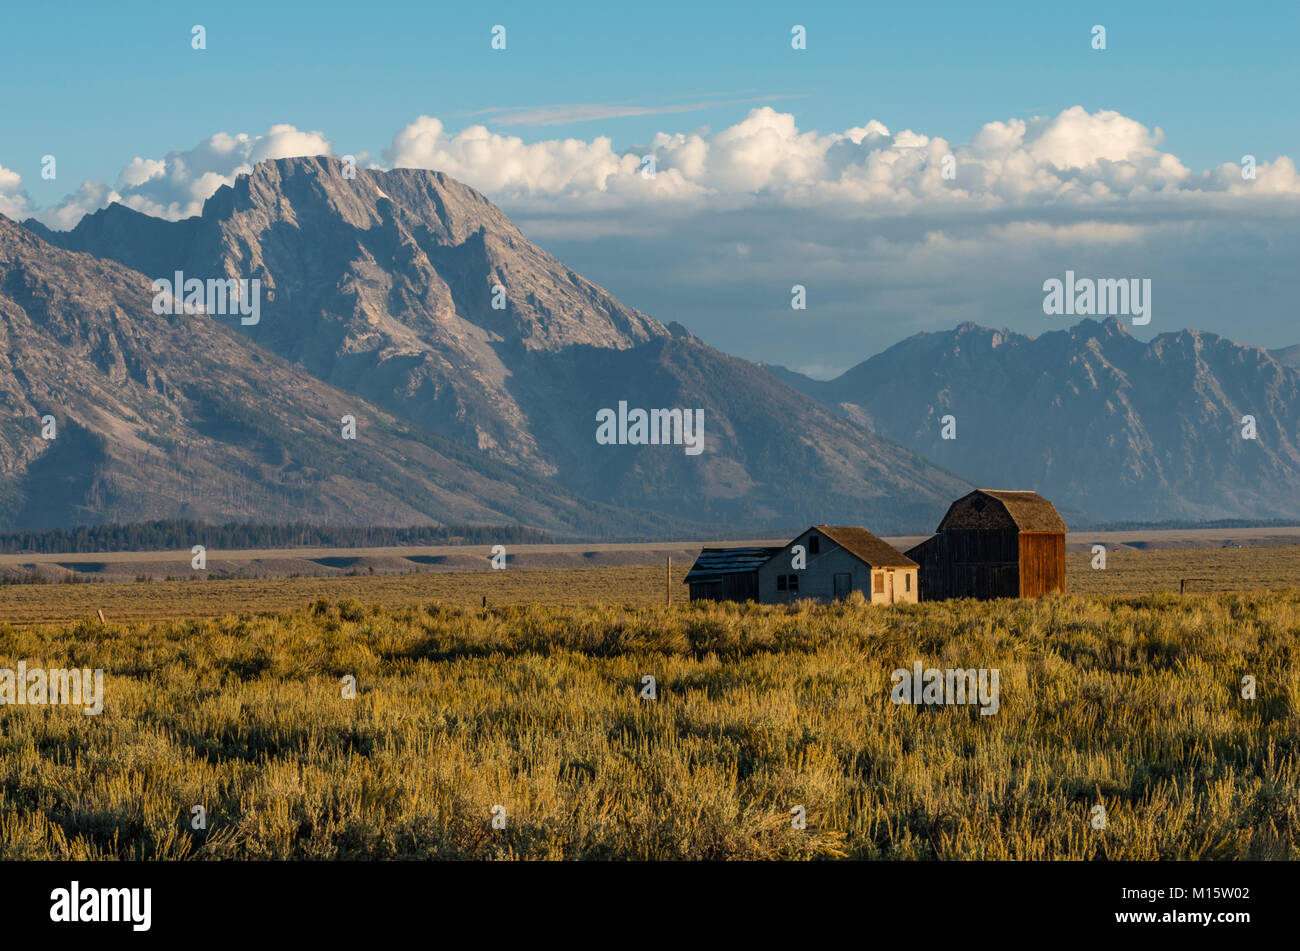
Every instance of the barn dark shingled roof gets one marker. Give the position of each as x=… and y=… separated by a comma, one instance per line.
x=1029, y=510
x=860, y=542
x=726, y=561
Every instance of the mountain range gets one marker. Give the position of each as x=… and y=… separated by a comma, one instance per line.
x=378, y=296
x=1110, y=427
x=180, y=416
x=475, y=365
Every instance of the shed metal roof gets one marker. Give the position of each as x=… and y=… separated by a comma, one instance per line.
x=728, y=561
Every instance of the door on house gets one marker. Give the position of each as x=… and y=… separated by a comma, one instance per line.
x=843, y=581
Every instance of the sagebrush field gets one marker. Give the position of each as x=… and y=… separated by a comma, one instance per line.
x=1133, y=703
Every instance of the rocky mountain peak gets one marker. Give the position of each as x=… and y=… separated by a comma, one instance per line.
x=412, y=292
x=1098, y=420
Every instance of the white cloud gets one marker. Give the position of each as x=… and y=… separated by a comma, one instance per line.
x=176, y=185
x=1031, y=166
x=500, y=163
x=1075, y=139
x=13, y=200
x=864, y=217
x=284, y=141
x=1077, y=158
x=91, y=196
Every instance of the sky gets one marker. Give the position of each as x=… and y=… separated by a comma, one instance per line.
x=773, y=167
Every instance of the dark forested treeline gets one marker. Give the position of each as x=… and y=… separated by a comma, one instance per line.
x=183, y=533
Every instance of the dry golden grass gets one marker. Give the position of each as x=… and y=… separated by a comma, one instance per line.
x=1214, y=569
x=633, y=584
x=1134, y=704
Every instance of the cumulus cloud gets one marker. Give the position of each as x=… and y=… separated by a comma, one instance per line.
x=176, y=185
x=1074, y=158
x=505, y=164
x=89, y=197
x=13, y=200
x=891, y=231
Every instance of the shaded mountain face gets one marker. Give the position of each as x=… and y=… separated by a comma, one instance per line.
x=382, y=284
x=792, y=378
x=414, y=292
x=773, y=456
x=1287, y=356
x=179, y=416
x=1093, y=418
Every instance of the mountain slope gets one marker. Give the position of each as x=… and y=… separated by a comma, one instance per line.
x=1092, y=417
x=385, y=285
x=177, y=416
x=792, y=378
x=1287, y=356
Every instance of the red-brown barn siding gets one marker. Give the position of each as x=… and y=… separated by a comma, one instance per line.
x=1042, y=563
x=994, y=544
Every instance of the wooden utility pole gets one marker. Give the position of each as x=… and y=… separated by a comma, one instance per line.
x=668, y=582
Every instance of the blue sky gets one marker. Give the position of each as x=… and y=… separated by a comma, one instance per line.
x=98, y=86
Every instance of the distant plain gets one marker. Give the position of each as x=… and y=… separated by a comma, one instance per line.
x=163, y=585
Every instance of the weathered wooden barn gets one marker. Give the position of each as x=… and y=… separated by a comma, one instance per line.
x=994, y=543
x=835, y=560
x=727, y=574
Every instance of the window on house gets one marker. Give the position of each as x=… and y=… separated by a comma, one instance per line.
x=794, y=582
x=907, y=582
x=787, y=582
x=780, y=583
x=814, y=544
x=878, y=582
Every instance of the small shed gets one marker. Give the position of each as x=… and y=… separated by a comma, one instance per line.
x=727, y=574
x=994, y=543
